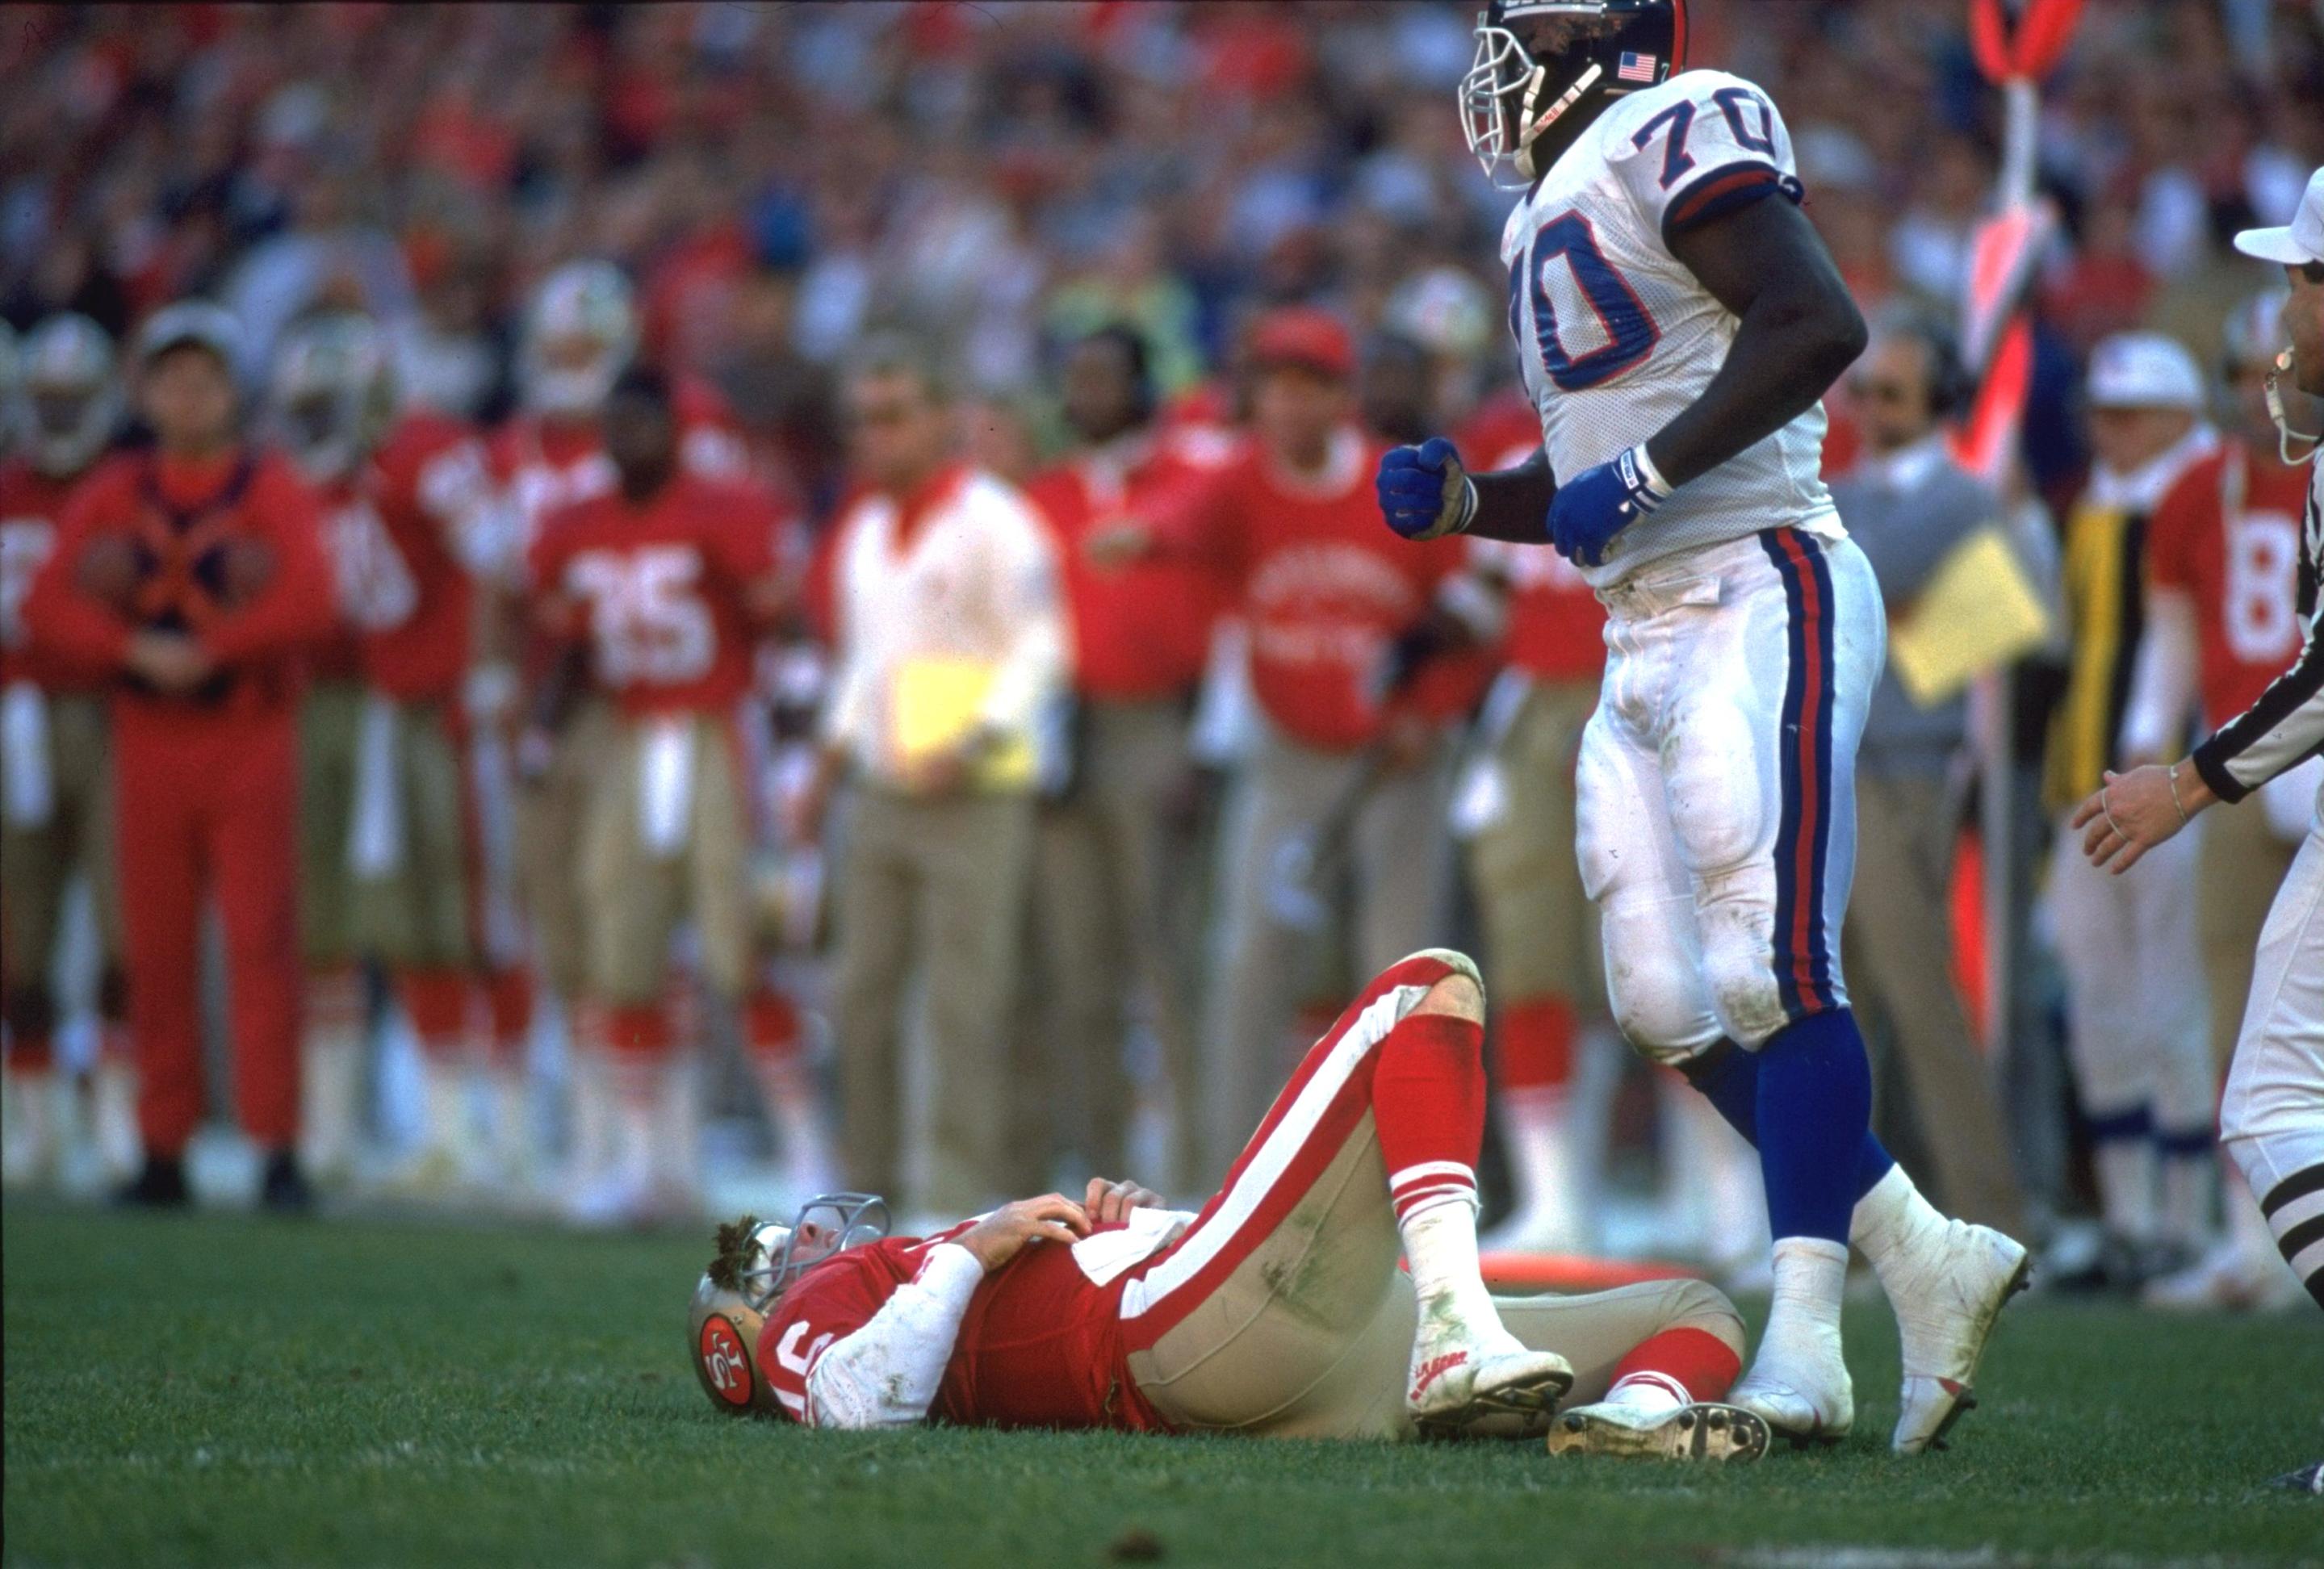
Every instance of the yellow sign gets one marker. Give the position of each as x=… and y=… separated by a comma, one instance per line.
x=1979, y=611
x=937, y=703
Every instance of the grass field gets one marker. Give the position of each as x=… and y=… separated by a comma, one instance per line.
x=223, y=1391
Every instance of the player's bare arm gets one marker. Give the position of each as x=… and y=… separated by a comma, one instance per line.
x=1798, y=330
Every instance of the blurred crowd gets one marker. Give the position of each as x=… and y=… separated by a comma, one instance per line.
x=1039, y=732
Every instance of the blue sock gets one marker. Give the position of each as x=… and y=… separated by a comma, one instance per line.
x=1815, y=1108
x=1729, y=1077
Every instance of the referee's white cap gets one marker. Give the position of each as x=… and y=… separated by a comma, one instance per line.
x=2297, y=243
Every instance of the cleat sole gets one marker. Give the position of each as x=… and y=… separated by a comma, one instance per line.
x=1705, y=1433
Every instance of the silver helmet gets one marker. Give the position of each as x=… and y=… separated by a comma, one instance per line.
x=332, y=394
x=64, y=401
x=579, y=336
x=756, y=1263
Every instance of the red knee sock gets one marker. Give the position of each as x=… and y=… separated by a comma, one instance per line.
x=1428, y=1105
x=1533, y=1044
x=1690, y=1365
x=770, y=1025
x=437, y=1001
x=508, y=998
x=638, y=1036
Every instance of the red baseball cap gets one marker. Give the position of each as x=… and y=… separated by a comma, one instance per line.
x=1303, y=336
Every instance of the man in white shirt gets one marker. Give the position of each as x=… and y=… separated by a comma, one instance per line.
x=951, y=643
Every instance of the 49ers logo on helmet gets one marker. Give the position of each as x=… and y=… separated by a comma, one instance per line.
x=725, y=1362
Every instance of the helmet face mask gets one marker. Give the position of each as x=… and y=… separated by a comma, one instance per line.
x=333, y=396
x=67, y=402
x=1536, y=61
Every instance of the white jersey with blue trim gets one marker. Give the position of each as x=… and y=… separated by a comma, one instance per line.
x=1616, y=337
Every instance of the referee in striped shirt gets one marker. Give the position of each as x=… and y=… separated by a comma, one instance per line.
x=2272, y=1119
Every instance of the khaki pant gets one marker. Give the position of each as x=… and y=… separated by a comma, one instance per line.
x=2244, y=863
x=38, y=861
x=412, y=913
x=330, y=720
x=936, y=888
x=638, y=891
x=550, y=812
x=1541, y=932
x=1393, y=904
x=1899, y=951
x=1101, y=927
x=1309, y=1332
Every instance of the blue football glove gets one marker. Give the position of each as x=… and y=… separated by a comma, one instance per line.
x=1600, y=502
x=1424, y=493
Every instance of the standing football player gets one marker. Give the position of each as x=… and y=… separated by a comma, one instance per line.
x=580, y=333
x=56, y=809
x=670, y=579
x=194, y=573
x=2272, y=1119
x=386, y=834
x=1678, y=320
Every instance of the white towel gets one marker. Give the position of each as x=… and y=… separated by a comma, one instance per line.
x=1105, y=1256
x=375, y=827
x=665, y=785
x=29, y=797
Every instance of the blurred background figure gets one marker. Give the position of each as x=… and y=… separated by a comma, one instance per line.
x=661, y=588
x=952, y=644
x=1335, y=821
x=197, y=571
x=2222, y=623
x=61, y=409
x=1112, y=854
x=2138, y=1024
x=384, y=807
x=1910, y=507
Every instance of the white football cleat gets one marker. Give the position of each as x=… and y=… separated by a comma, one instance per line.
x=1807, y=1400
x=1946, y=1299
x=1456, y=1386
x=1706, y=1431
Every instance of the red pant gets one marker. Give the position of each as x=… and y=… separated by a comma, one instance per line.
x=208, y=806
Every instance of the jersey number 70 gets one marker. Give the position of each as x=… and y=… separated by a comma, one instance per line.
x=1589, y=280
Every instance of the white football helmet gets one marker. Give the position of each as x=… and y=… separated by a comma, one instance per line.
x=333, y=395
x=756, y=1263
x=64, y=401
x=578, y=336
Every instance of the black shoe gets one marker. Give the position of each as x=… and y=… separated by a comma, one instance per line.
x=283, y=1189
x=161, y=1184
x=2309, y=1479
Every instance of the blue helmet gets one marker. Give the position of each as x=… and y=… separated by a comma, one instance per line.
x=1513, y=92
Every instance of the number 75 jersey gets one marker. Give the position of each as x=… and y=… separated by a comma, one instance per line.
x=1616, y=337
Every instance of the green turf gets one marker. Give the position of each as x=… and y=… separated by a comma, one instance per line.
x=221, y=1391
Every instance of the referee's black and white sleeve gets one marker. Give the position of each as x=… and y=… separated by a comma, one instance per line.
x=2286, y=726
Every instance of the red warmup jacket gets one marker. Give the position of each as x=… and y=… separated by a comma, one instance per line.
x=181, y=519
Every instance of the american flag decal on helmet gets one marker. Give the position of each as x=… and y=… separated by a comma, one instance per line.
x=1635, y=67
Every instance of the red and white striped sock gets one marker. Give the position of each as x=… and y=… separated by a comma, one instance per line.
x=1428, y=1107
x=1676, y=1368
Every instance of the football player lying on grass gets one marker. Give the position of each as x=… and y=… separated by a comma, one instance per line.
x=1277, y=1309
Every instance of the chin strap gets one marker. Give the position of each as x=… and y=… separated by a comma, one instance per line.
x=1533, y=127
x=2285, y=435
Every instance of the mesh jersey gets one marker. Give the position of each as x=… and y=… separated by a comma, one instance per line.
x=1617, y=337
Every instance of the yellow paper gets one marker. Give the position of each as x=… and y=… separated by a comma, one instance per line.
x=1979, y=611
x=937, y=703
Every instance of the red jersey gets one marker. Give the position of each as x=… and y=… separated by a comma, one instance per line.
x=1556, y=627
x=1041, y=1346
x=394, y=528
x=1324, y=585
x=178, y=517
x=665, y=588
x=2228, y=534
x=1144, y=631
x=31, y=503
